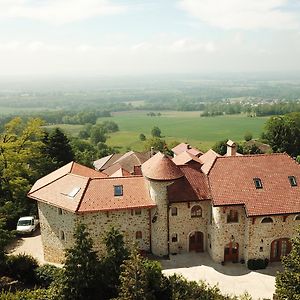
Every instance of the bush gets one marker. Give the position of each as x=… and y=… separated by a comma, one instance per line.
x=257, y=264
x=46, y=274
x=22, y=267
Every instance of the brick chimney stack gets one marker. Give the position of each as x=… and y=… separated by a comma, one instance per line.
x=231, y=148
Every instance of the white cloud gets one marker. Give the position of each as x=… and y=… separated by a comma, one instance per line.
x=191, y=45
x=57, y=11
x=242, y=14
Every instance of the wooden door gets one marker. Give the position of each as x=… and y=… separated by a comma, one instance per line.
x=279, y=248
x=231, y=252
x=196, y=241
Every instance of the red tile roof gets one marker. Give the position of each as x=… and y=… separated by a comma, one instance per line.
x=120, y=173
x=99, y=195
x=192, y=187
x=160, y=167
x=106, y=161
x=208, y=159
x=185, y=157
x=182, y=147
x=231, y=182
x=73, y=168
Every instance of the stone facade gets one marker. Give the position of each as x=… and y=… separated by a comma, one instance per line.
x=168, y=228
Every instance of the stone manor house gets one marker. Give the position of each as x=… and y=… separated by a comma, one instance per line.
x=235, y=207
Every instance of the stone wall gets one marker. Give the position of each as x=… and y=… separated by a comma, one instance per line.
x=159, y=217
x=56, y=231
x=222, y=233
x=183, y=224
x=126, y=220
x=261, y=235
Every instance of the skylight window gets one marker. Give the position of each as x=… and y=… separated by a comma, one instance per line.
x=258, y=183
x=74, y=192
x=292, y=180
x=118, y=190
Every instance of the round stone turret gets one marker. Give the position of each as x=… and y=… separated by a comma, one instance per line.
x=160, y=172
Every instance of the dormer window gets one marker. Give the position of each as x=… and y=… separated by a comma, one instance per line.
x=118, y=190
x=258, y=183
x=292, y=180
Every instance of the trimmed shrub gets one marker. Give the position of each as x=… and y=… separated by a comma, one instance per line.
x=22, y=267
x=46, y=274
x=257, y=264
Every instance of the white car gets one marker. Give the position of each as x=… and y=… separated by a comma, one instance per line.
x=27, y=224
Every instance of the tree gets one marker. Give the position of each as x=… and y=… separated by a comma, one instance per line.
x=283, y=133
x=142, y=137
x=288, y=281
x=220, y=147
x=5, y=237
x=133, y=279
x=156, y=132
x=98, y=134
x=20, y=150
x=84, y=152
x=80, y=276
x=156, y=143
x=58, y=148
x=248, y=136
x=117, y=253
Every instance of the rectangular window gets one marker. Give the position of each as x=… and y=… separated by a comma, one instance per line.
x=138, y=212
x=118, y=190
x=292, y=180
x=174, y=211
x=232, y=216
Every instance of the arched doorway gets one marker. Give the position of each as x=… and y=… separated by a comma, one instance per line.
x=196, y=241
x=231, y=252
x=279, y=248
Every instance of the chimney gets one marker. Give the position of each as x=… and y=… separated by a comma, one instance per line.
x=231, y=148
x=151, y=151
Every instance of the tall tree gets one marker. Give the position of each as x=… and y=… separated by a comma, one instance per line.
x=80, y=279
x=117, y=253
x=58, y=148
x=133, y=278
x=288, y=281
x=20, y=149
x=283, y=133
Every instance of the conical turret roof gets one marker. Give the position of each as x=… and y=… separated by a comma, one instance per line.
x=160, y=167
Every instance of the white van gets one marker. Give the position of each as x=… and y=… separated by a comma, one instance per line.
x=27, y=224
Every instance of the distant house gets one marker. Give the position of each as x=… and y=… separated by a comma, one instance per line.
x=184, y=147
x=233, y=207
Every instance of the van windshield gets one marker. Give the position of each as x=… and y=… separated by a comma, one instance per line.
x=24, y=223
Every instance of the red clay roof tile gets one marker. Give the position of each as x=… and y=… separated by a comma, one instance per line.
x=160, y=167
x=231, y=182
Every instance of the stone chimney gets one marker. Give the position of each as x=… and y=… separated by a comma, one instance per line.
x=231, y=148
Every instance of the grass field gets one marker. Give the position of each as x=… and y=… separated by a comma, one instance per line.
x=180, y=126
x=183, y=126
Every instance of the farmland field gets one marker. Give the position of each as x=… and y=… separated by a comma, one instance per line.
x=189, y=127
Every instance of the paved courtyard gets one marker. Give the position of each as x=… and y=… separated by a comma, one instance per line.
x=231, y=278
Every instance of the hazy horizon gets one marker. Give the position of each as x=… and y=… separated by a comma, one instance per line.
x=88, y=38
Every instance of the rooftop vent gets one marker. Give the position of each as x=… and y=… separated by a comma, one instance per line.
x=293, y=180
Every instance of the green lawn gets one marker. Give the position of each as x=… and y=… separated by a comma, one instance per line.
x=201, y=132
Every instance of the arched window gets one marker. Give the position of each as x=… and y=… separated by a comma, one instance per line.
x=174, y=238
x=174, y=211
x=267, y=220
x=297, y=218
x=196, y=211
x=138, y=235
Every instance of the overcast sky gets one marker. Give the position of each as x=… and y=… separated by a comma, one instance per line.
x=120, y=37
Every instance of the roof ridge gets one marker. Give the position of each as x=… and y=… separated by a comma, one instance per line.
x=255, y=155
x=83, y=193
x=106, y=178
